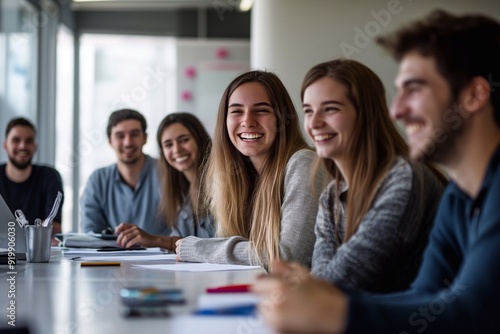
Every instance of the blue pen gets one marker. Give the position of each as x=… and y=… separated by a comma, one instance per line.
x=248, y=309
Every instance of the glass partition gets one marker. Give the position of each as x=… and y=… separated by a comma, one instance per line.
x=64, y=120
x=121, y=71
x=18, y=62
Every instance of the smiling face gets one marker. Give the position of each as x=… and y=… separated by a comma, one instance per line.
x=20, y=146
x=329, y=118
x=179, y=148
x=251, y=122
x=422, y=102
x=127, y=139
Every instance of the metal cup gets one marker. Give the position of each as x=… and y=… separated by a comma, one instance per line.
x=38, y=242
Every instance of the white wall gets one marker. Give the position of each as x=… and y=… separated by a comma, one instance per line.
x=288, y=37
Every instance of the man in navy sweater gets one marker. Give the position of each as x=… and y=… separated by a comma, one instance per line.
x=448, y=98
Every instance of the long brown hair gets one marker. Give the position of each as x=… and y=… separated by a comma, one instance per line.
x=243, y=202
x=175, y=186
x=376, y=142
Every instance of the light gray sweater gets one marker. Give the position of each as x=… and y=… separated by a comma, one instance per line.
x=385, y=252
x=298, y=214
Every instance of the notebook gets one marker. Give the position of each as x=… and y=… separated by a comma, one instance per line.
x=8, y=227
x=81, y=240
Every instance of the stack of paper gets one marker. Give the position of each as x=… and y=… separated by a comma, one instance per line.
x=106, y=253
x=164, y=258
x=73, y=240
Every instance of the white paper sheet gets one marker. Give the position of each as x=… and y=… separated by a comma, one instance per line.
x=95, y=252
x=218, y=324
x=196, y=267
x=169, y=258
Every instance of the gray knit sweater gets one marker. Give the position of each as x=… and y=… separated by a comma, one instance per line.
x=298, y=213
x=385, y=252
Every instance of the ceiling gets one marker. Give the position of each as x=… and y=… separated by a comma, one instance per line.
x=156, y=4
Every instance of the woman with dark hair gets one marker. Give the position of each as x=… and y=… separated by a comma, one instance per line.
x=258, y=179
x=185, y=145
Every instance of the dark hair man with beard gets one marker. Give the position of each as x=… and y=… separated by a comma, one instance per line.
x=23, y=185
x=129, y=190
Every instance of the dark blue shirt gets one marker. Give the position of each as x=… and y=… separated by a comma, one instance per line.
x=457, y=289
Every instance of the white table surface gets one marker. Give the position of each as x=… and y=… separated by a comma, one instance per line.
x=60, y=297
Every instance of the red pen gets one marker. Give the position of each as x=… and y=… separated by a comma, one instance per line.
x=230, y=289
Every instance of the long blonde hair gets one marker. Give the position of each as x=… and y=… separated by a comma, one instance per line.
x=243, y=202
x=376, y=142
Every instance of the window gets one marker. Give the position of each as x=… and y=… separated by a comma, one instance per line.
x=18, y=62
x=118, y=71
x=64, y=122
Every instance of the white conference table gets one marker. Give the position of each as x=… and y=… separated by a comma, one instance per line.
x=60, y=297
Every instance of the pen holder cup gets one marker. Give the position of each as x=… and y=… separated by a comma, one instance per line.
x=38, y=242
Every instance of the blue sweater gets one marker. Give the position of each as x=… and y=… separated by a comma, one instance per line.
x=108, y=201
x=457, y=289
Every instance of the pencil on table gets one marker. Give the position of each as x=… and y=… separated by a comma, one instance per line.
x=100, y=263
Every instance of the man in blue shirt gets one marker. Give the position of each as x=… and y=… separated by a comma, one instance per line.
x=129, y=190
x=448, y=98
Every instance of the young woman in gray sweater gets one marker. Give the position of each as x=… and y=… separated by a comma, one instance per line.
x=375, y=217
x=258, y=179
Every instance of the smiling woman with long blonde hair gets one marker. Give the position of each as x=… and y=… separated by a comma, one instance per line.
x=258, y=179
